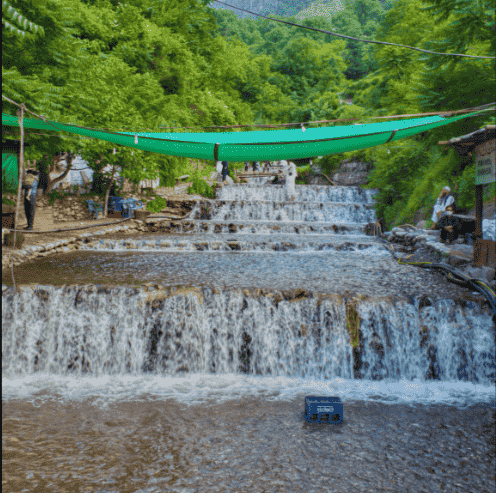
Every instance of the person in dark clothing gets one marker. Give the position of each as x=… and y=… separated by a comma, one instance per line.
x=43, y=169
x=256, y=166
x=30, y=186
x=225, y=170
x=247, y=165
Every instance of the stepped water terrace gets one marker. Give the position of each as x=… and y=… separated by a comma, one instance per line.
x=197, y=344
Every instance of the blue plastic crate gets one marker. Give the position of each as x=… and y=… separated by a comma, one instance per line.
x=323, y=410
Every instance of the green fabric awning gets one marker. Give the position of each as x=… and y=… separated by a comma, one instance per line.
x=9, y=168
x=256, y=145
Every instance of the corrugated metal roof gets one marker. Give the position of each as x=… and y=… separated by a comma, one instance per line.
x=480, y=135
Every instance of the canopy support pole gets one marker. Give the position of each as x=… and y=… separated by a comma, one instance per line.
x=20, y=168
x=392, y=135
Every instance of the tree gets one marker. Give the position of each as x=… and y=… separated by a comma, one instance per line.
x=312, y=69
x=406, y=81
x=466, y=27
x=360, y=19
x=105, y=65
x=12, y=19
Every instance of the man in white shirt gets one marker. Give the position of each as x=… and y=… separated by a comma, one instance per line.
x=290, y=180
x=444, y=206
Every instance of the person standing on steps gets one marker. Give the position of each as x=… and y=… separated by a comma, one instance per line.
x=30, y=186
x=225, y=170
x=290, y=181
x=444, y=206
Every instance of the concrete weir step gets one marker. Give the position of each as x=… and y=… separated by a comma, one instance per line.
x=241, y=243
x=256, y=227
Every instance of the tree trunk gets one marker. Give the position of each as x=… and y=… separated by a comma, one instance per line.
x=52, y=183
x=105, y=206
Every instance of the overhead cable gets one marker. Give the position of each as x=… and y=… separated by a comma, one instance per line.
x=482, y=107
x=350, y=37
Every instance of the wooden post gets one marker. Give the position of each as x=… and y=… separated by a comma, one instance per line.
x=484, y=250
x=478, y=210
x=105, y=207
x=20, y=169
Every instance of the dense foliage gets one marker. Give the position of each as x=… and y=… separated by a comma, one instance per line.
x=178, y=63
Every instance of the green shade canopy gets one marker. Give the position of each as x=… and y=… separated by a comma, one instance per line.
x=9, y=168
x=256, y=145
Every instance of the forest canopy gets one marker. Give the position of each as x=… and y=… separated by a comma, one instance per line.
x=145, y=64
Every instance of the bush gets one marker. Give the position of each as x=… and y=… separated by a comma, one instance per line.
x=9, y=239
x=156, y=205
x=201, y=187
x=167, y=181
x=55, y=194
x=7, y=202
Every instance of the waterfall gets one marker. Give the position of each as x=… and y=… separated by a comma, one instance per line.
x=85, y=330
x=236, y=340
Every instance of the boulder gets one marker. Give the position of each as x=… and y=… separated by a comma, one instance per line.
x=421, y=224
x=484, y=273
x=352, y=173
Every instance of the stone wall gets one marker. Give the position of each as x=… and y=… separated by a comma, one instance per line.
x=349, y=173
x=352, y=173
x=72, y=207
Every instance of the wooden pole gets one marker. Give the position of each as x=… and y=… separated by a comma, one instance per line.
x=478, y=226
x=478, y=210
x=20, y=168
x=105, y=207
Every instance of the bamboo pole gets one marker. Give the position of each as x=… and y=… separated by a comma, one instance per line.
x=20, y=168
x=20, y=172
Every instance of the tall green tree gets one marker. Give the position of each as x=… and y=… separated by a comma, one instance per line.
x=451, y=82
x=360, y=19
x=139, y=65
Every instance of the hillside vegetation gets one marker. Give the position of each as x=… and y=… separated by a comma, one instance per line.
x=179, y=63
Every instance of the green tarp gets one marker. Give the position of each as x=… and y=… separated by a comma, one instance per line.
x=256, y=145
x=9, y=168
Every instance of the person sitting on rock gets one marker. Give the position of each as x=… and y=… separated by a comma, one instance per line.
x=444, y=207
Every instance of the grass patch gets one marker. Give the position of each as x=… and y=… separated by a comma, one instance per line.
x=9, y=239
x=353, y=323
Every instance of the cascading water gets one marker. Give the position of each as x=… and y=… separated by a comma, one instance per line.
x=54, y=330
x=276, y=301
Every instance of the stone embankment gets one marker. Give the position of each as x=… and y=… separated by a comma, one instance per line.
x=458, y=255
x=68, y=244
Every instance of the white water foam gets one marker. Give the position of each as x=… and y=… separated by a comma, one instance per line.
x=200, y=388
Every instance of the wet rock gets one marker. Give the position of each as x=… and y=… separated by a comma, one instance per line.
x=484, y=273
x=372, y=229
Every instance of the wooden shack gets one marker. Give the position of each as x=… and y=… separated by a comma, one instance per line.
x=483, y=143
